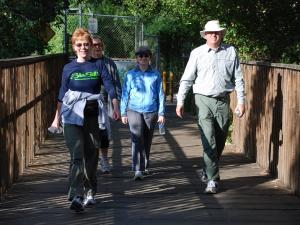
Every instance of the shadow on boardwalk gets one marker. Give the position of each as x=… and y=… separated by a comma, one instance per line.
x=172, y=194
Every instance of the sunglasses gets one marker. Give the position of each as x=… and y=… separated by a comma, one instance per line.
x=79, y=45
x=143, y=55
x=98, y=45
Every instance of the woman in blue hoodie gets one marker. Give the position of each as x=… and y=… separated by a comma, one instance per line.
x=142, y=106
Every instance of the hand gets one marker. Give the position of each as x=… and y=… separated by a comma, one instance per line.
x=56, y=123
x=55, y=127
x=180, y=110
x=241, y=109
x=161, y=119
x=116, y=113
x=124, y=119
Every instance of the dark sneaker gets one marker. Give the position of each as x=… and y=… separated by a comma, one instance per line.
x=203, y=177
x=212, y=187
x=104, y=165
x=77, y=204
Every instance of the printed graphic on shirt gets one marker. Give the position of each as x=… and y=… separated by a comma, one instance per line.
x=85, y=76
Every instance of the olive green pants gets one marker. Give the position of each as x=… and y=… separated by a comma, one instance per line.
x=83, y=143
x=213, y=121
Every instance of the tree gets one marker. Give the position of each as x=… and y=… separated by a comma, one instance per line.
x=24, y=24
x=260, y=29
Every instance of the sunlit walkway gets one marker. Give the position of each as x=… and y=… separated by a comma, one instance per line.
x=171, y=195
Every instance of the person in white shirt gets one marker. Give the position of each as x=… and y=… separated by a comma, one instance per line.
x=214, y=71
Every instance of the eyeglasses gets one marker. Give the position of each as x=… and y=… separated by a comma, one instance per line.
x=98, y=45
x=143, y=55
x=79, y=45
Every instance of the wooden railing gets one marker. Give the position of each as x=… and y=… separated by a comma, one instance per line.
x=28, y=90
x=269, y=133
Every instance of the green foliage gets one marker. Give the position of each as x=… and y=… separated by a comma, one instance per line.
x=24, y=23
x=261, y=30
x=56, y=44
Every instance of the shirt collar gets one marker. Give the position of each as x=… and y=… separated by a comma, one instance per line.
x=221, y=47
x=149, y=69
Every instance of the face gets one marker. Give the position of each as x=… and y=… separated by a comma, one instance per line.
x=213, y=38
x=97, y=48
x=143, y=59
x=82, y=49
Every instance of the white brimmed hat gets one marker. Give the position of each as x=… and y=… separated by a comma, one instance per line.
x=213, y=25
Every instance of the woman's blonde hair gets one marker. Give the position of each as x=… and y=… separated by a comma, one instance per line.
x=81, y=34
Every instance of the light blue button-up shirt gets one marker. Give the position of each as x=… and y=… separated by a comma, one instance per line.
x=212, y=72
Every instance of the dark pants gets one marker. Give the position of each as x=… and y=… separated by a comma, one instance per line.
x=141, y=127
x=213, y=121
x=83, y=143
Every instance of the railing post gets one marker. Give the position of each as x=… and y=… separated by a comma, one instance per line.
x=164, y=75
x=171, y=80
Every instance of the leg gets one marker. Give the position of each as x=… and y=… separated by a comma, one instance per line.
x=222, y=124
x=136, y=125
x=207, y=132
x=150, y=123
x=91, y=153
x=74, y=138
x=104, y=162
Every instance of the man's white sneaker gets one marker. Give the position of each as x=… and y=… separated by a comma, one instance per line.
x=212, y=187
x=138, y=175
x=89, y=200
x=104, y=165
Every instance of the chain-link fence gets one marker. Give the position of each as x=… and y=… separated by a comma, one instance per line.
x=121, y=34
x=152, y=41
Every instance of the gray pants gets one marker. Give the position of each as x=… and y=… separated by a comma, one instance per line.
x=83, y=143
x=141, y=127
x=213, y=121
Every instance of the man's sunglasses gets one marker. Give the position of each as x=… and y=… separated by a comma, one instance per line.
x=98, y=45
x=143, y=55
x=78, y=45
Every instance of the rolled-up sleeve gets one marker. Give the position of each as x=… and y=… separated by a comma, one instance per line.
x=187, y=79
x=239, y=82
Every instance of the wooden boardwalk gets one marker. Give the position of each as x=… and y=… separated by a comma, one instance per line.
x=171, y=195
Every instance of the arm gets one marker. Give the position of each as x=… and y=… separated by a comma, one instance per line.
x=117, y=83
x=56, y=121
x=239, y=88
x=109, y=87
x=161, y=106
x=186, y=82
x=125, y=99
x=63, y=89
x=116, y=78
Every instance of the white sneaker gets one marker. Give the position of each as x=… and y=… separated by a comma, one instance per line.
x=89, y=200
x=138, y=175
x=212, y=187
x=146, y=172
x=104, y=165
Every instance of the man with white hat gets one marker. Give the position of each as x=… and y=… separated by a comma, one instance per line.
x=214, y=72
